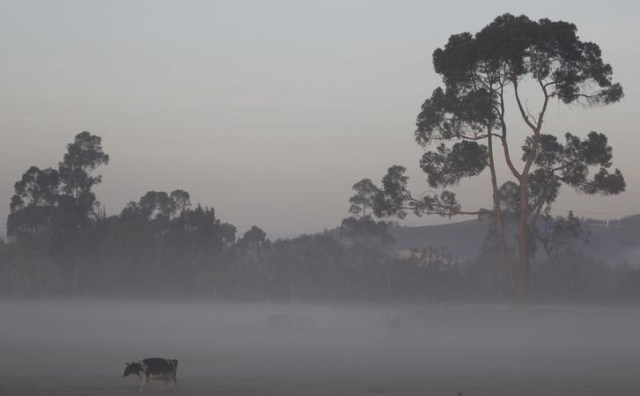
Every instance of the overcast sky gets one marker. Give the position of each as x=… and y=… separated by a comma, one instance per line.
x=269, y=111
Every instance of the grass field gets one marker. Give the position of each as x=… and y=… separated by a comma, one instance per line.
x=79, y=348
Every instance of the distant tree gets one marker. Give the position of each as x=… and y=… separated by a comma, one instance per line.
x=253, y=241
x=184, y=248
x=366, y=231
x=34, y=203
x=361, y=228
x=306, y=268
x=203, y=231
x=159, y=205
x=483, y=74
x=83, y=156
x=51, y=209
x=572, y=275
x=363, y=201
x=78, y=206
x=558, y=234
x=248, y=267
x=64, y=195
x=196, y=243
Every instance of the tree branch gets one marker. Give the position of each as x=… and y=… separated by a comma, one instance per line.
x=524, y=115
x=503, y=138
x=536, y=132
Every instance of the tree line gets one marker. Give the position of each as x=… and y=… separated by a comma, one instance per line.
x=62, y=243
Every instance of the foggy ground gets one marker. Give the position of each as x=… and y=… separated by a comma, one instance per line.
x=79, y=348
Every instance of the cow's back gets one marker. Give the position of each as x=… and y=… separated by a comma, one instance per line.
x=157, y=366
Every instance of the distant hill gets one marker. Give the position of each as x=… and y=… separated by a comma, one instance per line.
x=616, y=242
x=463, y=239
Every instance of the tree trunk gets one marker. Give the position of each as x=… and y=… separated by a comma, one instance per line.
x=499, y=219
x=522, y=284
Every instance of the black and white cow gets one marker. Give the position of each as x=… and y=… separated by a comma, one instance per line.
x=153, y=369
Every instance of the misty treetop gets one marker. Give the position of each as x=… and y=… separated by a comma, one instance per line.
x=67, y=242
x=59, y=197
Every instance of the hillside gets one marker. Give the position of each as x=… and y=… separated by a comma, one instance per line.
x=463, y=239
x=616, y=242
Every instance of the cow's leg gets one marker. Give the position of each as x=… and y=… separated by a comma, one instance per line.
x=164, y=385
x=144, y=383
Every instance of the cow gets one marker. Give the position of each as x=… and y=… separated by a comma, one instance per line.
x=153, y=368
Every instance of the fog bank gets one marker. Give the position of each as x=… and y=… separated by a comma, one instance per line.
x=476, y=347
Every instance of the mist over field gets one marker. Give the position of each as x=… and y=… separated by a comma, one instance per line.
x=79, y=348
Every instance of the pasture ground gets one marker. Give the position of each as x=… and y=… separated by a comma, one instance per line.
x=79, y=349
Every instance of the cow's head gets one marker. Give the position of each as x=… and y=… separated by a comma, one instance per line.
x=132, y=368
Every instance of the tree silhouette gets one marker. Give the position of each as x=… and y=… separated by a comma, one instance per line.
x=463, y=126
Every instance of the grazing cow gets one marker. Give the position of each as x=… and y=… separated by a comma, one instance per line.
x=155, y=369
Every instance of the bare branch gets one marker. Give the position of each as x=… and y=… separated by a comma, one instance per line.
x=524, y=115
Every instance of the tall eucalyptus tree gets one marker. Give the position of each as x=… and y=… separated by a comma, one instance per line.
x=463, y=126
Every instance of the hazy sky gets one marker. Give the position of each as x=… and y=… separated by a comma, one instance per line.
x=268, y=111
